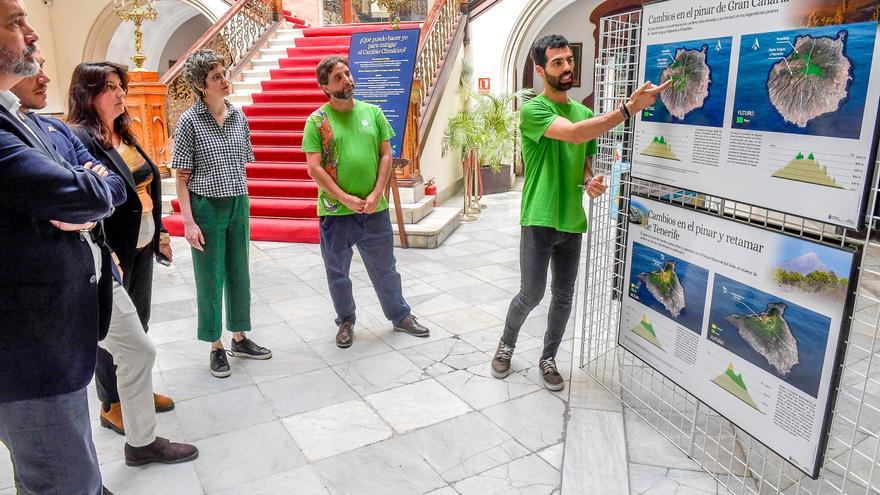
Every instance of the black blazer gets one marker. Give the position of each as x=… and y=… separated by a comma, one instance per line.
x=122, y=227
x=52, y=310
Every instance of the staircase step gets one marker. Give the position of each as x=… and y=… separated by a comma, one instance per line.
x=277, y=123
x=295, y=21
x=289, y=110
x=273, y=53
x=318, y=97
x=321, y=51
x=292, y=73
x=261, y=63
x=348, y=29
x=258, y=73
x=279, y=154
x=324, y=41
x=247, y=85
x=413, y=213
x=280, y=42
x=274, y=207
x=264, y=229
x=278, y=170
x=268, y=188
x=432, y=230
x=290, y=85
x=288, y=138
x=310, y=61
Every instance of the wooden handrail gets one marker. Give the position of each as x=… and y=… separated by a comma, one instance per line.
x=428, y=25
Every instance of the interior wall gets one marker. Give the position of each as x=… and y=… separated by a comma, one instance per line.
x=488, y=39
x=307, y=10
x=40, y=17
x=187, y=34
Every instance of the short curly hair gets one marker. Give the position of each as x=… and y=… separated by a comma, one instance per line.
x=197, y=66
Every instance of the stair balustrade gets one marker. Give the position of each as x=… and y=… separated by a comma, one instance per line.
x=237, y=35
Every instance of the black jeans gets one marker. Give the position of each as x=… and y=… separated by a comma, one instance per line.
x=138, y=282
x=538, y=248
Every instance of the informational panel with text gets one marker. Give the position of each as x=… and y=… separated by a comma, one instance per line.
x=761, y=109
x=382, y=64
x=747, y=320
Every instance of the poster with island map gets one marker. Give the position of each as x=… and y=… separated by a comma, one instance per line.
x=748, y=320
x=765, y=107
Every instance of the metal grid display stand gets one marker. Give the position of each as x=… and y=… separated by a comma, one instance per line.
x=739, y=462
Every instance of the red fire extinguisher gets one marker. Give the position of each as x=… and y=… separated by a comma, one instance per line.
x=431, y=189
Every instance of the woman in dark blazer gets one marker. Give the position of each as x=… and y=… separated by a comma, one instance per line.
x=134, y=231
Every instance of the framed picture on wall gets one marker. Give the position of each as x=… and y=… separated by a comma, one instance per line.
x=577, y=49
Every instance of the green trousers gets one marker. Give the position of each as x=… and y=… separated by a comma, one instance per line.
x=223, y=264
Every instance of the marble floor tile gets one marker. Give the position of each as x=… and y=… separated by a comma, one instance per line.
x=528, y=475
x=586, y=392
x=490, y=273
x=275, y=335
x=380, y=372
x=653, y=448
x=553, y=455
x=402, y=340
x=305, y=392
x=417, y=405
x=316, y=327
x=465, y=320
x=595, y=455
x=287, y=291
x=196, y=381
x=182, y=354
x=446, y=490
x=172, y=478
x=464, y=446
x=173, y=330
x=336, y=429
x=286, y=361
x=365, y=344
x=444, y=356
x=306, y=306
x=222, y=412
x=450, y=281
x=477, y=386
x=246, y=454
x=487, y=341
x=439, y=303
x=654, y=480
x=385, y=468
x=535, y=420
x=303, y=480
x=481, y=293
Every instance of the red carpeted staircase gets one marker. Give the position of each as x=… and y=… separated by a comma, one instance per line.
x=282, y=195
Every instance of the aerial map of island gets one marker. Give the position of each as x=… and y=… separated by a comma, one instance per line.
x=673, y=287
x=805, y=81
x=769, y=334
x=699, y=71
x=806, y=169
x=782, y=338
x=659, y=148
x=733, y=383
x=645, y=330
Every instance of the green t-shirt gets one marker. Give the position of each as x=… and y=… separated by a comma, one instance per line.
x=350, y=154
x=553, y=169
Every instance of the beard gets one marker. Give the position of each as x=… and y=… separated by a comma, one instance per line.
x=554, y=83
x=345, y=94
x=23, y=64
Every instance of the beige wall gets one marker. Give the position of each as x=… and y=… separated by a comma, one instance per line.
x=307, y=10
x=445, y=170
x=39, y=16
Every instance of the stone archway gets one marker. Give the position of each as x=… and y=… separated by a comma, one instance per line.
x=106, y=24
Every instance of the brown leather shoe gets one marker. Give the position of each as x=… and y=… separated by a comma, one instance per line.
x=161, y=450
x=163, y=403
x=345, y=335
x=112, y=419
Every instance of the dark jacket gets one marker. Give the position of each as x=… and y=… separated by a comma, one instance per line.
x=52, y=310
x=72, y=150
x=121, y=228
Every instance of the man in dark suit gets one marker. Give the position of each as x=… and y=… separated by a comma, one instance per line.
x=130, y=347
x=52, y=281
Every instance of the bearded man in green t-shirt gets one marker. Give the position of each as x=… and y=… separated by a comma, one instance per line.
x=348, y=152
x=558, y=142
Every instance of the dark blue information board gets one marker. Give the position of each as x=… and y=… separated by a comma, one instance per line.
x=382, y=64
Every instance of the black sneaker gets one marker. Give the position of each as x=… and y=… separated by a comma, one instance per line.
x=247, y=348
x=220, y=364
x=551, y=376
x=501, y=361
x=412, y=326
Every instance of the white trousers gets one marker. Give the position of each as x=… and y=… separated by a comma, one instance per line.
x=133, y=354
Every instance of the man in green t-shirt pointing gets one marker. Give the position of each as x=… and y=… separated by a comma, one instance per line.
x=348, y=152
x=558, y=142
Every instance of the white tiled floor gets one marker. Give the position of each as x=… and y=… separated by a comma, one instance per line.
x=392, y=415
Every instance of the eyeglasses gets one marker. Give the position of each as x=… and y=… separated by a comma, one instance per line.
x=219, y=77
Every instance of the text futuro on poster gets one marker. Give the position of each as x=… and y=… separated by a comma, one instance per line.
x=747, y=320
x=382, y=64
x=770, y=112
